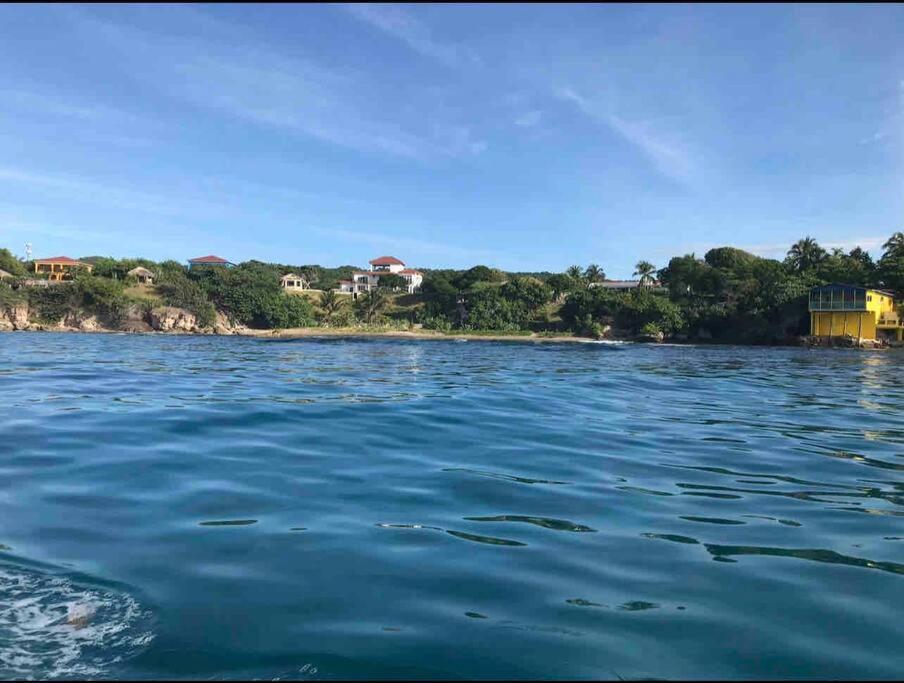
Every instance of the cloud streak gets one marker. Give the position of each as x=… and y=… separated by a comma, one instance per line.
x=253, y=83
x=103, y=194
x=401, y=25
x=668, y=156
x=529, y=119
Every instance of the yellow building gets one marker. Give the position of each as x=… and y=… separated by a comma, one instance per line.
x=845, y=310
x=58, y=267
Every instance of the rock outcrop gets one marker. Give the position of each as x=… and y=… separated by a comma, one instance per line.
x=172, y=319
x=14, y=317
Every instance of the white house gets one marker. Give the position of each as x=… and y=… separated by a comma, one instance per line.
x=293, y=283
x=367, y=280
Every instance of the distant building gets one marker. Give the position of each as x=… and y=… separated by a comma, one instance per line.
x=210, y=261
x=367, y=280
x=293, y=283
x=627, y=284
x=142, y=274
x=59, y=267
x=838, y=310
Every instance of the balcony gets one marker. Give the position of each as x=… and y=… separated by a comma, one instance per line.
x=890, y=321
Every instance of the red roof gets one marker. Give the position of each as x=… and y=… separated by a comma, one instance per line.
x=208, y=259
x=409, y=271
x=60, y=259
x=386, y=261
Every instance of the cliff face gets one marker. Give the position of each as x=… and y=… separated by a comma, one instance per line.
x=160, y=319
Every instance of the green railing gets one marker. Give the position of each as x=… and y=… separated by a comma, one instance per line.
x=838, y=299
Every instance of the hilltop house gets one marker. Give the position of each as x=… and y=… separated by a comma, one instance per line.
x=59, y=267
x=209, y=261
x=142, y=274
x=846, y=310
x=367, y=280
x=293, y=283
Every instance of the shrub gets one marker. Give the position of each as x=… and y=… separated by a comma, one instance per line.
x=52, y=304
x=286, y=310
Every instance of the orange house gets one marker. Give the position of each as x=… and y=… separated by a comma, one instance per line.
x=59, y=267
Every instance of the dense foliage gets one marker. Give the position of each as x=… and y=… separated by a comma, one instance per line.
x=11, y=264
x=728, y=295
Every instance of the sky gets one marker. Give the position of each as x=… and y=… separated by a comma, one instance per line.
x=527, y=137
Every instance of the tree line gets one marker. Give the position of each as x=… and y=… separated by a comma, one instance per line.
x=727, y=295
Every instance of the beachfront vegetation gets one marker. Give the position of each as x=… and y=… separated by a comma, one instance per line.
x=729, y=295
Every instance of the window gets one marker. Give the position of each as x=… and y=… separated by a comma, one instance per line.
x=869, y=298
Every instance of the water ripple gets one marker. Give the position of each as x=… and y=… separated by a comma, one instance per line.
x=385, y=508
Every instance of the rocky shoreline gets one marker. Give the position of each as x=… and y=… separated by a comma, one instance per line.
x=172, y=320
x=157, y=319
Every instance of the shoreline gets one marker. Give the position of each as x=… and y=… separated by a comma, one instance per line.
x=314, y=332
x=421, y=335
x=320, y=332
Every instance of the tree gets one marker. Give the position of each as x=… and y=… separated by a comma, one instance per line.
x=330, y=303
x=560, y=284
x=895, y=244
x=371, y=304
x=477, y=274
x=285, y=311
x=855, y=268
x=576, y=273
x=687, y=278
x=805, y=254
x=891, y=265
x=392, y=282
x=593, y=273
x=645, y=271
x=11, y=264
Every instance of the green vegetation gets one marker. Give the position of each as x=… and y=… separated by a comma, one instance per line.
x=11, y=264
x=729, y=295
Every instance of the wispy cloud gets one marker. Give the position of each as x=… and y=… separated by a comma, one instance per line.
x=251, y=82
x=56, y=105
x=103, y=194
x=668, y=155
x=400, y=24
x=875, y=137
x=87, y=122
x=529, y=119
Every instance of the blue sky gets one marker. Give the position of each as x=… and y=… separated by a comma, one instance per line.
x=524, y=137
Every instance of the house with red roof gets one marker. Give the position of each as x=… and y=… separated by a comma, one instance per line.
x=209, y=261
x=59, y=267
x=367, y=280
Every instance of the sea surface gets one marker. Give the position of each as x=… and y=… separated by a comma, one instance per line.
x=216, y=508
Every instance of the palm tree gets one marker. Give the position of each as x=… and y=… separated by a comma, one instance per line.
x=371, y=304
x=576, y=273
x=645, y=271
x=594, y=273
x=805, y=254
x=330, y=303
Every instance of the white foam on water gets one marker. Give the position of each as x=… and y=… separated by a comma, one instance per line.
x=51, y=627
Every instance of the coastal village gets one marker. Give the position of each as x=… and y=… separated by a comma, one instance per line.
x=840, y=314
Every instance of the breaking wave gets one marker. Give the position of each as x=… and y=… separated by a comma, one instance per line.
x=55, y=626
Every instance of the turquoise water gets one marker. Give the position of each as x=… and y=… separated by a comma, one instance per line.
x=203, y=507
